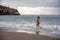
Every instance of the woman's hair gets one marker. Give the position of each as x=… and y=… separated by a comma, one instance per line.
x=38, y=17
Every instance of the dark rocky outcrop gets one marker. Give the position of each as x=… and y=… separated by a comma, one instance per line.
x=8, y=11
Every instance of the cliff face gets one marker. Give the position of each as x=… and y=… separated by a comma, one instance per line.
x=8, y=11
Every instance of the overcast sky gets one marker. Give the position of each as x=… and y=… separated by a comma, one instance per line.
x=34, y=6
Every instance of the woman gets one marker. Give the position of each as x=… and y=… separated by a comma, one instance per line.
x=38, y=25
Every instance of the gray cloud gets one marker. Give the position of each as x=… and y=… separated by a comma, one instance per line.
x=39, y=10
x=32, y=3
x=0, y=1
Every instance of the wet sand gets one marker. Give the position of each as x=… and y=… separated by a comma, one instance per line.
x=23, y=36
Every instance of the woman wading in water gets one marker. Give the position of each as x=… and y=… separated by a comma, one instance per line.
x=38, y=25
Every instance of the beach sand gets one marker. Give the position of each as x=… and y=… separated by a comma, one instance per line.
x=23, y=36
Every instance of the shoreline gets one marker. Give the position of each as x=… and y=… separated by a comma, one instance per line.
x=23, y=36
x=53, y=35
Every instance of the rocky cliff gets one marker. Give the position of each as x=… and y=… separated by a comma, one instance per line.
x=8, y=11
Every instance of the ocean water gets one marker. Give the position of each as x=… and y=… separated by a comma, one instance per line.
x=50, y=24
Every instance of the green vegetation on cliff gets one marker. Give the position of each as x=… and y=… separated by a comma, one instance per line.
x=8, y=11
